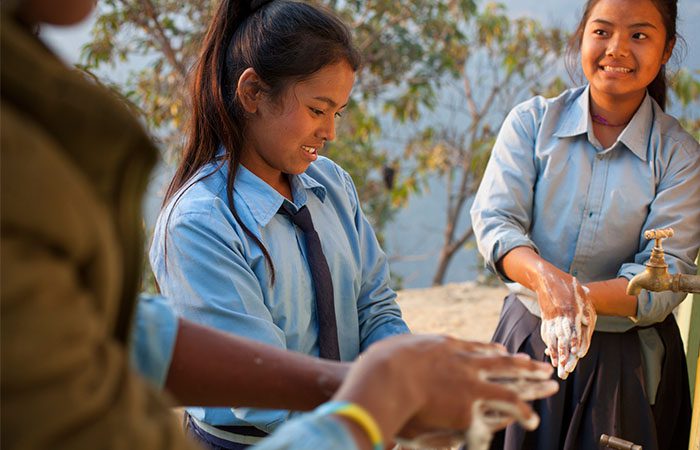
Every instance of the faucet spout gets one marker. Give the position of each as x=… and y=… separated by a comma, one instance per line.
x=656, y=277
x=652, y=279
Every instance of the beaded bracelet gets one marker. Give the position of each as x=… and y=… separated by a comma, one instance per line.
x=358, y=415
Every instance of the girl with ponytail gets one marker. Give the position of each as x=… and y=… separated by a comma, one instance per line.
x=271, y=80
x=572, y=184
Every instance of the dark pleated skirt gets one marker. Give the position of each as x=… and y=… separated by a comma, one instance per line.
x=605, y=394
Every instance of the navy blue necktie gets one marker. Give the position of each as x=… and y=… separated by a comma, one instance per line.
x=323, y=286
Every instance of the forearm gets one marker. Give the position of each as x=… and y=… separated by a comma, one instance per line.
x=610, y=297
x=211, y=368
x=525, y=266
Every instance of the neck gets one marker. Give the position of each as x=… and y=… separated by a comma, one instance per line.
x=275, y=178
x=616, y=110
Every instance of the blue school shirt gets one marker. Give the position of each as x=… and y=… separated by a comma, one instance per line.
x=551, y=186
x=216, y=275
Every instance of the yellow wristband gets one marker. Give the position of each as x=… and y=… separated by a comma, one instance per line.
x=357, y=414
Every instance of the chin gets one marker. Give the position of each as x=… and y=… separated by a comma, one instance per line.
x=298, y=170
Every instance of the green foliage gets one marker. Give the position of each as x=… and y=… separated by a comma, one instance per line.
x=406, y=47
x=685, y=90
x=414, y=52
x=501, y=61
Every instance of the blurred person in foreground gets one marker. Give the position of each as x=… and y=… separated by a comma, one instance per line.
x=74, y=165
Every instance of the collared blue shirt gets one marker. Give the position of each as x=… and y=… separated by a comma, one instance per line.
x=551, y=186
x=216, y=275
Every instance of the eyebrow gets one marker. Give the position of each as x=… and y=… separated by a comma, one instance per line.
x=634, y=25
x=330, y=102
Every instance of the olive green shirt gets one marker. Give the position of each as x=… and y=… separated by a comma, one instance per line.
x=74, y=166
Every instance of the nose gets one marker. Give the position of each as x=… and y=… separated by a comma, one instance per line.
x=617, y=46
x=327, y=129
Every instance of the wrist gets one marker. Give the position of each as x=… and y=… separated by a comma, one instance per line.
x=360, y=423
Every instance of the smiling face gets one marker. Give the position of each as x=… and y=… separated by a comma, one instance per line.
x=623, y=46
x=284, y=136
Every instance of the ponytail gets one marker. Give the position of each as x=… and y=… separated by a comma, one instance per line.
x=284, y=41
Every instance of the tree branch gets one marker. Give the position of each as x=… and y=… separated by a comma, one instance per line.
x=159, y=35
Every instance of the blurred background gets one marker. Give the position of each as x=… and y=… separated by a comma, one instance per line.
x=438, y=79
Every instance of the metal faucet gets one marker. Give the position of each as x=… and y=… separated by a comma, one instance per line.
x=656, y=277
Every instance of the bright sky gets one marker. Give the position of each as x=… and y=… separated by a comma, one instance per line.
x=563, y=13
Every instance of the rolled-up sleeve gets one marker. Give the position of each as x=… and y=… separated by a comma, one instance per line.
x=153, y=338
x=379, y=315
x=502, y=210
x=676, y=205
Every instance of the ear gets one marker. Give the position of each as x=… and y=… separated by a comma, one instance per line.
x=250, y=90
x=668, y=51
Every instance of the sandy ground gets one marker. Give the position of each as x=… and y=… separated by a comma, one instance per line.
x=464, y=310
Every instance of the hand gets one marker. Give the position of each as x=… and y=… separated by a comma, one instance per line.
x=568, y=319
x=440, y=391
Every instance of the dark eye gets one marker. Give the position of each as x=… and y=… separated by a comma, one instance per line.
x=316, y=111
x=600, y=32
x=640, y=36
x=339, y=114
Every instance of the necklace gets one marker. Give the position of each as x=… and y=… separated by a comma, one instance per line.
x=597, y=118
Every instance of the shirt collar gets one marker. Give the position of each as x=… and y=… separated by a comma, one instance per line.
x=264, y=201
x=576, y=120
x=635, y=136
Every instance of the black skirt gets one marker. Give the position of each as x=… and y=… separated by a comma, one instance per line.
x=605, y=394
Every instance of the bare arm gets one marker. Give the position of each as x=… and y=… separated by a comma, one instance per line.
x=610, y=297
x=212, y=368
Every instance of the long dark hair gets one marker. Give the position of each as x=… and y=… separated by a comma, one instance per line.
x=669, y=13
x=285, y=42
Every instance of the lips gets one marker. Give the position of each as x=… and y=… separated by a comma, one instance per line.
x=312, y=149
x=615, y=69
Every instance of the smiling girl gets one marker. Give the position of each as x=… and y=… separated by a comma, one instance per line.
x=571, y=186
x=272, y=79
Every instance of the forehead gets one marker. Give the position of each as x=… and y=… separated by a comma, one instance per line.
x=626, y=12
x=333, y=82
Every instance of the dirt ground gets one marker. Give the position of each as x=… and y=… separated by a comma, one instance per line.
x=464, y=310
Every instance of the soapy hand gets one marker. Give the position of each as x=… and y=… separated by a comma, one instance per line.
x=568, y=319
x=492, y=370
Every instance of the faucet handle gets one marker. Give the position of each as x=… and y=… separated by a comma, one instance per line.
x=658, y=234
x=657, y=253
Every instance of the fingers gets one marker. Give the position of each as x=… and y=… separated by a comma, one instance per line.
x=484, y=348
x=587, y=334
x=563, y=328
x=519, y=365
x=529, y=390
x=549, y=337
x=494, y=413
x=567, y=341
